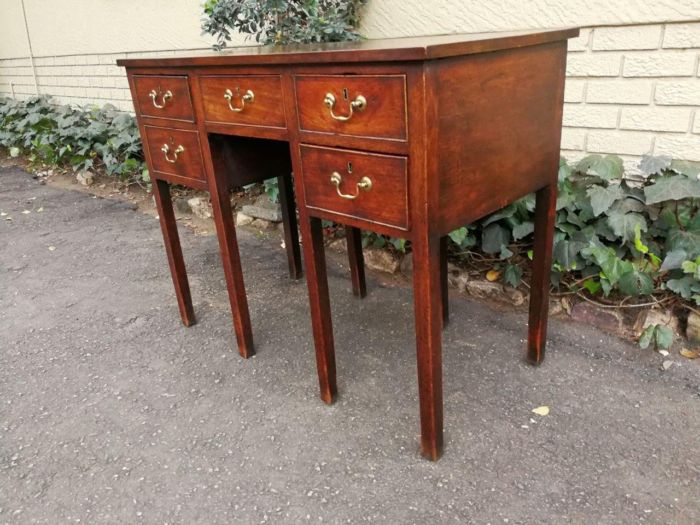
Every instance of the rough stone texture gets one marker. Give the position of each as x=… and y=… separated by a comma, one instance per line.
x=609, y=319
x=262, y=224
x=264, y=209
x=200, y=207
x=692, y=331
x=653, y=317
x=85, y=178
x=381, y=260
x=113, y=412
x=242, y=219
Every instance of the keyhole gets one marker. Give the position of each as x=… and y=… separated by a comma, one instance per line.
x=349, y=167
x=345, y=93
x=238, y=90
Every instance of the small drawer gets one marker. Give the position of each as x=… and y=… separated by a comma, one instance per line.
x=252, y=100
x=164, y=96
x=175, y=152
x=357, y=105
x=355, y=184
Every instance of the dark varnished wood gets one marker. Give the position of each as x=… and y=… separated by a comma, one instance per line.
x=383, y=117
x=266, y=109
x=385, y=203
x=444, y=284
x=179, y=107
x=475, y=125
x=545, y=212
x=187, y=165
x=515, y=97
x=353, y=239
x=289, y=222
x=369, y=51
x=166, y=216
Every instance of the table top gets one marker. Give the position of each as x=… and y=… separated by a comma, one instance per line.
x=378, y=50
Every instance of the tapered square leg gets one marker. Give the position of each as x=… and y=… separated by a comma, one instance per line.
x=353, y=238
x=427, y=297
x=319, y=303
x=164, y=204
x=228, y=245
x=545, y=212
x=289, y=222
x=443, y=282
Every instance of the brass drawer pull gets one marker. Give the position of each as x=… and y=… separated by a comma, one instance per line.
x=166, y=150
x=248, y=97
x=166, y=96
x=365, y=184
x=359, y=104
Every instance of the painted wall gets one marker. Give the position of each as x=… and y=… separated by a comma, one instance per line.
x=633, y=83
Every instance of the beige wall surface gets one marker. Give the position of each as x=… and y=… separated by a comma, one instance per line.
x=633, y=76
x=422, y=17
x=75, y=27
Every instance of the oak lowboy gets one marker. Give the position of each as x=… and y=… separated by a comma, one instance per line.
x=407, y=137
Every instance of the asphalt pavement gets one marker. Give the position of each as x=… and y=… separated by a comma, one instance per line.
x=111, y=411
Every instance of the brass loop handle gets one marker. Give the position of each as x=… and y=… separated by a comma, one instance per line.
x=166, y=151
x=359, y=104
x=248, y=97
x=166, y=96
x=365, y=184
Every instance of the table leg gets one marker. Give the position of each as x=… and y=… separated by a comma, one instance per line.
x=429, y=314
x=443, y=282
x=228, y=244
x=319, y=303
x=289, y=222
x=164, y=204
x=353, y=237
x=545, y=213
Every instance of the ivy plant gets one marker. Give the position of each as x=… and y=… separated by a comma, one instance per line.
x=282, y=21
x=82, y=138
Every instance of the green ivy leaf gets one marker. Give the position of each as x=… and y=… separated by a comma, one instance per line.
x=624, y=224
x=659, y=335
x=635, y=283
x=686, y=286
x=650, y=164
x=607, y=168
x=494, y=237
x=602, y=198
x=672, y=188
x=673, y=260
x=513, y=274
x=523, y=230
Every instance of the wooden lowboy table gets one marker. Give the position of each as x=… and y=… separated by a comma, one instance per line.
x=409, y=137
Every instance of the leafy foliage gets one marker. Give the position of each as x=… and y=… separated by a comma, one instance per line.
x=282, y=21
x=83, y=138
x=614, y=233
x=658, y=335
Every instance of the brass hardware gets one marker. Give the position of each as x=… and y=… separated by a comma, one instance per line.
x=166, y=150
x=365, y=184
x=359, y=104
x=248, y=97
x=166, y=96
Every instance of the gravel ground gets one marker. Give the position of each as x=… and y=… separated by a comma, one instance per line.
x=112, y=412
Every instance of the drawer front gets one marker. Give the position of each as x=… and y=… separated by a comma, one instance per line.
x=182, y=155
x=252, y=100
x=164, y=96
x=375, y=187
x=357, y=105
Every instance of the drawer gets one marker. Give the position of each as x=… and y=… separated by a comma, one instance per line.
x=356, y=184
x=357, y=105
x=164, y=96
x=182, y=156
x=255, y=100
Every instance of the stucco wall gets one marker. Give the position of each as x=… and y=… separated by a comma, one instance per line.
x=633, y=82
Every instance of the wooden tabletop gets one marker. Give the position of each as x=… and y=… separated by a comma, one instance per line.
x=379, y=50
